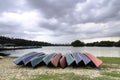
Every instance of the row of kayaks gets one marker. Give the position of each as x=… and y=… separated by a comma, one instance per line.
x=35, y=59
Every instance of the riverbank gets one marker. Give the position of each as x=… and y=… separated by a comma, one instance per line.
x=110, y=70
x=22, y=47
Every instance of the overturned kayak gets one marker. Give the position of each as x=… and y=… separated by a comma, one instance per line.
x=70, y=60
x=55, y=60
x=19, y=60
x=97, y=62
x=37, y=60
x=27, y=59
x=63, y=62
x=85, y=59
x=48, y=58
x=77, y=58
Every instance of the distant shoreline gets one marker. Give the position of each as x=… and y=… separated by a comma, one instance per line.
x=23, y=47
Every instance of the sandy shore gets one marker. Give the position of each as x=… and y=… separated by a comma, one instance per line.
x=10, y=71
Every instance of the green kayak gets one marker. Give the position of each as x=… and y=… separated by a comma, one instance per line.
x=47, y=59
x=69, y=59
x=37, y=60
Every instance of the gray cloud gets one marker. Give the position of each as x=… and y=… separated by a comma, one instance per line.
x=60, y=20
x=77, y=11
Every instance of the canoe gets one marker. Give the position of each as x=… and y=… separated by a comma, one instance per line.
x=47, y=59
x=27, y=59
x=37, y=60
x=55, y=60
x=1, y=57
x=19, y=61
x=69, y=59
x=4, y=54
x=63, y=62
x=86, y=60
x=77, y=58
x=97, y=62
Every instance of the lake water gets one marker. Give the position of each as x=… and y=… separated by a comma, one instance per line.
x=96, y=51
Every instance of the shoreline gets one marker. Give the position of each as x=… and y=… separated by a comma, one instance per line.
x=23, y=47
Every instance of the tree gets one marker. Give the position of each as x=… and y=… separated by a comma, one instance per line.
x=117, y=44
x=77, y=43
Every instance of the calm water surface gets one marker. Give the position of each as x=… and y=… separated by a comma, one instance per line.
x=96, y=51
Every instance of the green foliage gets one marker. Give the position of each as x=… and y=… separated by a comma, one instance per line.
x=104, y=44
x=21, y=42
x=77, y=43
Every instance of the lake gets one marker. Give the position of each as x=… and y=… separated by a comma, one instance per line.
x=96, y=51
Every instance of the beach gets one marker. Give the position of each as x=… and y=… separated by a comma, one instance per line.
x=10, y=71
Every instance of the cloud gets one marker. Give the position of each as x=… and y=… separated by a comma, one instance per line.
x=60, y=21
x=77, y=11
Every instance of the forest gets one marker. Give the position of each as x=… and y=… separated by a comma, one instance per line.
x=78, y=43
x=6, y=41
x=21, y=42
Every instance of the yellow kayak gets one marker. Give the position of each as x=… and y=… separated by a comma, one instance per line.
x=1, y=57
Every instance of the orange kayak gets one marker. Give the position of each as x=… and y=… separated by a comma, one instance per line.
x=97, y=62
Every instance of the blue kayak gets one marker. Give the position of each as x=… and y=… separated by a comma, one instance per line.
x=77, y=58
x=86, y=60
x=18, y=60
x=27, y=59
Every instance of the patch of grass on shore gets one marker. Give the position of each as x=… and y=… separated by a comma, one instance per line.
x=68, y=76
x=112, y=74
x=103, y=78
x=112, y=60
x=64, y=76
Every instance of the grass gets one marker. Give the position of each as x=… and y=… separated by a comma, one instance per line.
x=112, y=74
x=110, y=60
x=70, y=76
x=64, y=76
x=103, y=78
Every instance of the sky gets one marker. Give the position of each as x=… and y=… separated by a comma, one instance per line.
x=60, y=21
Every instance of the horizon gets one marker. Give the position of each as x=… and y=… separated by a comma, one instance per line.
x=92, y=40
x=61, y=21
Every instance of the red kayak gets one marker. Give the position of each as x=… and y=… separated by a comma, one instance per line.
x=97, y=62
x=63, y=62
x=55, y=60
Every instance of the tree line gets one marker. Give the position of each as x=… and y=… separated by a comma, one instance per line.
x=21, y=42
x=78, y=43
